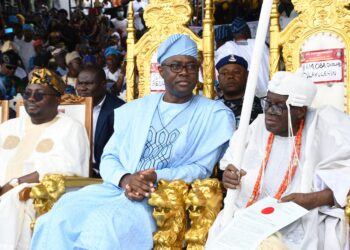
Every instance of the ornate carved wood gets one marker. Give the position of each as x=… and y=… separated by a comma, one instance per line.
x=164, y=18
x=315, y=16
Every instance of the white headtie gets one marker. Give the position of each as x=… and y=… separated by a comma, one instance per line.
x=300, y=90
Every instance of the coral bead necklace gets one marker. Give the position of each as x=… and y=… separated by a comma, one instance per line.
x=290, y=170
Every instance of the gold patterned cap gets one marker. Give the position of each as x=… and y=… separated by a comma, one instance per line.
x=47, y=77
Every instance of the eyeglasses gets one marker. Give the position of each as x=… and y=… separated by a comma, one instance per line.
x=276, y=109
x=11, y=67
x=178, y=67
x=38, y=96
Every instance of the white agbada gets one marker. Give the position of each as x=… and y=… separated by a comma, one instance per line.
x=324, y=163
x=245, y=50
x=69, y=155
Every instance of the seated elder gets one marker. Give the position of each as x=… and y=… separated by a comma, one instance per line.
x=304, y=158
x=32, y=146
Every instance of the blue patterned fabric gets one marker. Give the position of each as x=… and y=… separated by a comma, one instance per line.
x=237, y=105
x=158, y=148
x=238, y=24
x=163, y=134
x=100, y=216
x=223, y=33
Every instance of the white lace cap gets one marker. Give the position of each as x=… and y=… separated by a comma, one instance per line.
x=300, y=90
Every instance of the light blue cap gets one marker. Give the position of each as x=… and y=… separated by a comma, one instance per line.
x=176, y=45
x=111, y=51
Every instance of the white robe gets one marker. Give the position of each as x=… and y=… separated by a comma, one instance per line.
x=324, y=163
x=69, y=156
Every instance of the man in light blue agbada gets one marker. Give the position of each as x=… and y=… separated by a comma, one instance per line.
x=171, y=135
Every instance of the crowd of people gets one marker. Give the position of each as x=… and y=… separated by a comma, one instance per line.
x=49, y=39
x=169, y=135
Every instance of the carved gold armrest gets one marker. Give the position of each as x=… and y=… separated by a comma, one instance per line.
x=77, y=181
x=173, y=201
x=51, y=188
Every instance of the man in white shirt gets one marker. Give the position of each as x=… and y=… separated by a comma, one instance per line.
x=139, y=7
x=26, y=47
x=120, y=23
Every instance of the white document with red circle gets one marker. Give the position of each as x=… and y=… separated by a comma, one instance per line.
x=250, y=226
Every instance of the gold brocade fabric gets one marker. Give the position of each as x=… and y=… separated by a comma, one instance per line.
x=47, y=77
x=26, y=146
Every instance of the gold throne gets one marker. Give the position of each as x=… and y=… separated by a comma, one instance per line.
x=321, y=26
x=164, y=18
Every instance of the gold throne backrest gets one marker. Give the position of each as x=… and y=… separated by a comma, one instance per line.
x=4, y=111
x=316, y=40
x=79, y=108
x=164, y=18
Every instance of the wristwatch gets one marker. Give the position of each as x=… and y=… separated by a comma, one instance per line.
x=14, y=182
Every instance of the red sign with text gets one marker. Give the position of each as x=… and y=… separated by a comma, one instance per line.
x=323, y=66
